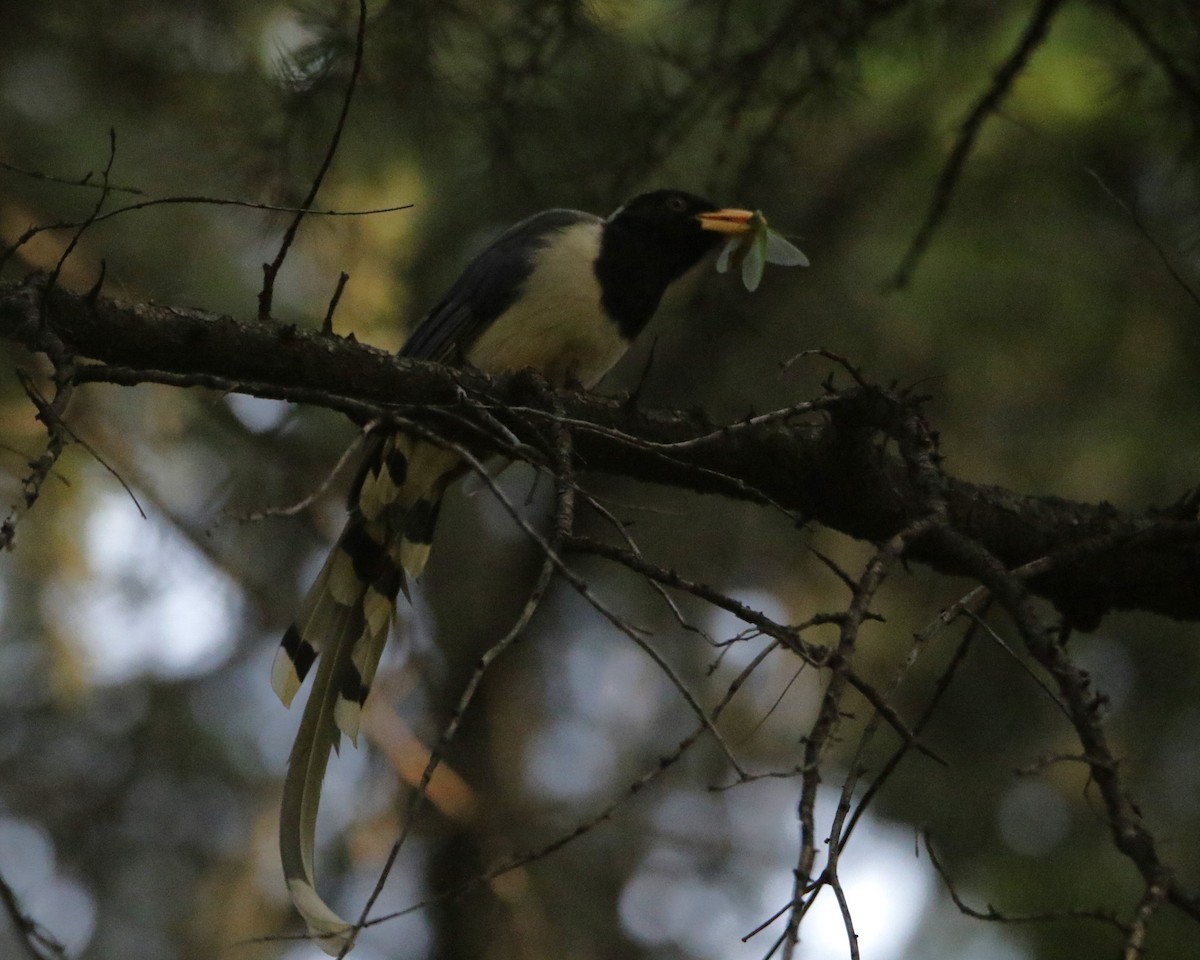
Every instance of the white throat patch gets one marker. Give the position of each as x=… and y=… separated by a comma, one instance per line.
x=557, y=325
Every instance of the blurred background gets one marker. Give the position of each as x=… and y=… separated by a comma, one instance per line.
x=141, y=749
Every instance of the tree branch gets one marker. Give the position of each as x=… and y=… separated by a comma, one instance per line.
x=828, y=465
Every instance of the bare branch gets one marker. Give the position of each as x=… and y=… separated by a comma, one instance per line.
x=84, y=181
x=563, y=521
x=1031, y=39
x=992, y=915
x=833, y=471
x=271, y=270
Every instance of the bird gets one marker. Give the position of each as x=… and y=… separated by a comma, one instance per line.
x=563, y=292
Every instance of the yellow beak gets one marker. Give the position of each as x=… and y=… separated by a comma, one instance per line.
x=728, y=221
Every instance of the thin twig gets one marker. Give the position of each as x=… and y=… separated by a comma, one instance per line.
x=563, y=521
x=663, y=764
x=52, y=278
x=1029, y=671
x=327, y=323
x=844, y=906
x=790, y=636
x=1031, y=38
x=271, y=270
x=84, y=181
x=188, y=200
x=579, y=584
x=749, y=423
x=1083, y=704
x=1135, y=942
x=893, y=761
x=49, y=411
x=829, y=717
x=992, y=915
x=620, y=528
x=192, y=200
x=303, y=504
x=839, y=359
x=663, y=450
x=1131, y=211
x=1184, y=86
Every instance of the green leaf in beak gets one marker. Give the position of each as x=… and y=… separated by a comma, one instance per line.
x=755, y=248
x=782, y=252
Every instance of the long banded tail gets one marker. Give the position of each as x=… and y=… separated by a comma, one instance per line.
x=402, y=485
x=318, y=734
x=347, y=616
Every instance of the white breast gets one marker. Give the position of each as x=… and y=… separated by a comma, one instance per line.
x=557, y=326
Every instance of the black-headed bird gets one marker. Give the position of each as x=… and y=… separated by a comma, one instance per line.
x=563, y=292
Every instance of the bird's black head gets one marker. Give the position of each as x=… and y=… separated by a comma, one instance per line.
x=652, y=241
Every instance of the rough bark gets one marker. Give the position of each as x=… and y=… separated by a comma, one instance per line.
x=830, y=464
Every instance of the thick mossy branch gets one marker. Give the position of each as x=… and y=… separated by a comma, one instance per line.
x=834, y=467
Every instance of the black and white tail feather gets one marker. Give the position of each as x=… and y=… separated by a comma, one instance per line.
x=345, y=621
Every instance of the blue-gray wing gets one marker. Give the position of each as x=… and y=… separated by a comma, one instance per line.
x=488, y=286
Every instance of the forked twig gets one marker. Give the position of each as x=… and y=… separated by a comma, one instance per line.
x=992, y=915
x=305, y=502
x=563, y=519
x=663, y=764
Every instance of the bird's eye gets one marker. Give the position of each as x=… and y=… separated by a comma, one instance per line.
x=676, y=204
